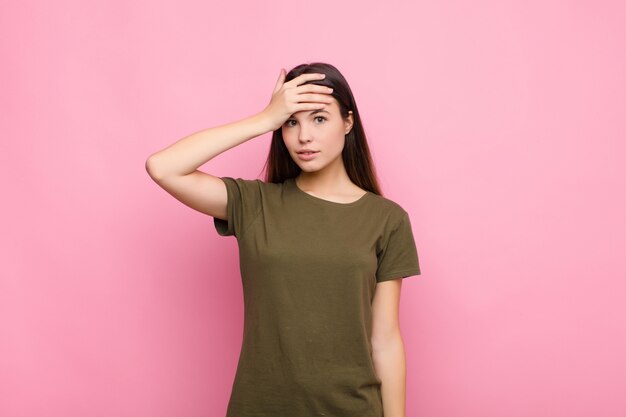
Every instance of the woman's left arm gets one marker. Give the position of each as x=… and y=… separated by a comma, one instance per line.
x=388, y=348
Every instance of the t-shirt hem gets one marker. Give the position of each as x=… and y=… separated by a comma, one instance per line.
x=222, y=227
x=399, y=274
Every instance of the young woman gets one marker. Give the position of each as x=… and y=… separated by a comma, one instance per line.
x=322, y=253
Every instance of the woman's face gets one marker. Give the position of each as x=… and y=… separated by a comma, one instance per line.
x=322, y=131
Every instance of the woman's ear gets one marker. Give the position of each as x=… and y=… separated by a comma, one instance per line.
x=349, y=122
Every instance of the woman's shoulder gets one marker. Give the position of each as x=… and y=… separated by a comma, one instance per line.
x=387, y=206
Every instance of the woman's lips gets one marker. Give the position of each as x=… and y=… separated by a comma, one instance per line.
x=307, y=156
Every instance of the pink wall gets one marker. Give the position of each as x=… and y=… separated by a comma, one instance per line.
x=499, y=125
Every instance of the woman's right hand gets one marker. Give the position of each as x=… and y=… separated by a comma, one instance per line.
x=290, y=97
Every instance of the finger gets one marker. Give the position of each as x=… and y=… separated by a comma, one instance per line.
x=302, y=78
x=280, y=80
x=316, y=98
x=309, y=106
x=313, y=88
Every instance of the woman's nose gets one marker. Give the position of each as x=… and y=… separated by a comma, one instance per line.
x=304, y=135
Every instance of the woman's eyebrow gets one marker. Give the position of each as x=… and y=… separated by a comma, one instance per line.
x=314, y=112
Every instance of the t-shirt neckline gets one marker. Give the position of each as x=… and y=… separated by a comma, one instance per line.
x=292, y=182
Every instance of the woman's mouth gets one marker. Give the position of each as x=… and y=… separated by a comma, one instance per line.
x=307, y=155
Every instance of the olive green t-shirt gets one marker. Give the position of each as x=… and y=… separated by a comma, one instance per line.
x=309, y=269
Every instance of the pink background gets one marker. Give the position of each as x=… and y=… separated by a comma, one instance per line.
x=498, y=125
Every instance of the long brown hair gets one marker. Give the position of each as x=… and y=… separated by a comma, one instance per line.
x=356, y=156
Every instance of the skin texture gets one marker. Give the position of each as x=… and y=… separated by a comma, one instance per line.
x=325, y=177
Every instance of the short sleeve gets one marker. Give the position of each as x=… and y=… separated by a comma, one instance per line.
x=398, y=257
x=243, y=206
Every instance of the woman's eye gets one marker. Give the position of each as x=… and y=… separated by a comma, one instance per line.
x=288, y=122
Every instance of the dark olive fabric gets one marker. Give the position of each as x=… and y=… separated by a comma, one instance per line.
x=309, y=269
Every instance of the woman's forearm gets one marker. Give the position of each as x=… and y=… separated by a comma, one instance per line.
x=189, y=153
x=390, y=363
